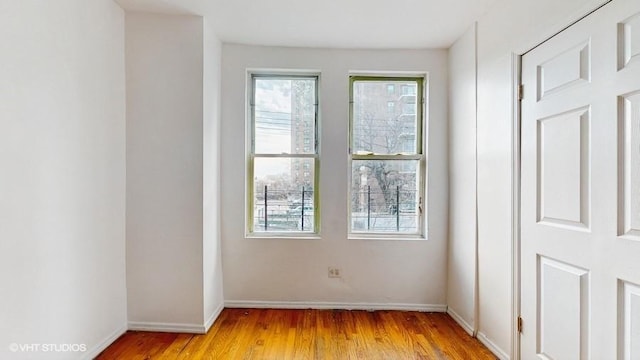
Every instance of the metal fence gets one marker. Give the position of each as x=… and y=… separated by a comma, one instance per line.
x=394, y=210
x=284, y=210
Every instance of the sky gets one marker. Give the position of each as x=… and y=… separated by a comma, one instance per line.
x=273, y=125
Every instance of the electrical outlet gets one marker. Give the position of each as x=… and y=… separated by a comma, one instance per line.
x=334, y=272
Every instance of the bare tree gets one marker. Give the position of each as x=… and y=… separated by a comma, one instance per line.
x=380, y=135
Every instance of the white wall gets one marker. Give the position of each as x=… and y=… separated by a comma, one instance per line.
x=212, y=258
x=509, y=27
x=174, y=268
x=62, y=175
x=461, y=280
x=164, y=64
x=390, y=273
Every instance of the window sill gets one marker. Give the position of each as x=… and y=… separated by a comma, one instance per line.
x=283, y=236
x=376, y=237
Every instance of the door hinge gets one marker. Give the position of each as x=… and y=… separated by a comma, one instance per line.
x=520, y=92
x=519, y=324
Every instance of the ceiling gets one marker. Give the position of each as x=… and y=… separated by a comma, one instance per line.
x=372, y=24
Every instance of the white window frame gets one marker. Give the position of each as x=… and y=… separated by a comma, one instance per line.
x=420, y=155
x=251, y=155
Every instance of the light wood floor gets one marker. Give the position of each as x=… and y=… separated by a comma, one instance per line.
x=309, y=334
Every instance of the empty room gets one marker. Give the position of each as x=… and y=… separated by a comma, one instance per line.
x=208, y=179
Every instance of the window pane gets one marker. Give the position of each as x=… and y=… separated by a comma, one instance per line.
x=280, y=204
x=385, y=196
x=284, y=115
x=383, y=122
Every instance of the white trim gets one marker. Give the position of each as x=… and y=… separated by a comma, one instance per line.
x=492, y=347
x=386, y=73
x=531, y=42
x=167, y=327
x=333, y=305
x=516, y=74
x=476, y=234
x=284, y=72
x=214, y=315
x=102, y=345
x=462, y=322
x=396, y=237
x=282, y=236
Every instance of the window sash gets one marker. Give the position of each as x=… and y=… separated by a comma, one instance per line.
x=419, y=107
x=252, y=228
x=420, y=227
x=252, y=106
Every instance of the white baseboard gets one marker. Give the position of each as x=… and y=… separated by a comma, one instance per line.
x=333, y=305
x=96, y=350
x=213, y=317
x=492, y=347
x=465, y=325
x=167, y=327
x=177, y=327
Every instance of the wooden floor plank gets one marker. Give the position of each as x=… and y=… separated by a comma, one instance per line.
x=257, y=334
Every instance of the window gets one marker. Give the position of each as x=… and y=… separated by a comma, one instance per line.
x=391, y=89
x=387, y=161
x=409, y=108
x=283, y=114
x=391, y=107
x=408, y=89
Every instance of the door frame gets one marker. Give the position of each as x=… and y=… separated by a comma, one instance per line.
x=516, y=96
x=516, y=75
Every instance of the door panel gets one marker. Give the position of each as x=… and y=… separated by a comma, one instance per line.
x=629, y=212
x=563, y=306
x=629, y=41
x=567, y=69
x=580, y=195
x=563, y=169
x=629, y=321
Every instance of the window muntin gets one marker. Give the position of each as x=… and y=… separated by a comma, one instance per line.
x=283, y=121
x=387, y=162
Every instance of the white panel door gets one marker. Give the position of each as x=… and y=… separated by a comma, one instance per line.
x=580, y=215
